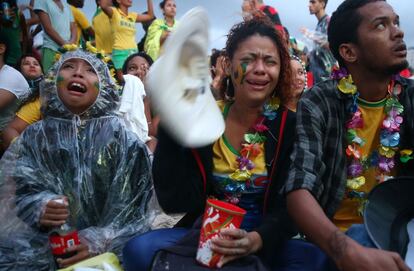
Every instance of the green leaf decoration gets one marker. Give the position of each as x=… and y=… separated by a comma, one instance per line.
x=254, y=138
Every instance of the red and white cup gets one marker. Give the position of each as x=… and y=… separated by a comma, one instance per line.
x=218, y=215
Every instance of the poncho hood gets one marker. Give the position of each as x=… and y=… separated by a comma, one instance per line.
x=106, y=102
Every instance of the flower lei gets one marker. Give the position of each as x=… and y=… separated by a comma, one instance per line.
x=251, y=147
x=384, y=157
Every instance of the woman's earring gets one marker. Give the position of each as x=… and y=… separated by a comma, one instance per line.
x=229, y=92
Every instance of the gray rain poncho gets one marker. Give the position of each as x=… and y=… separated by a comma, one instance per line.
x=102, y=168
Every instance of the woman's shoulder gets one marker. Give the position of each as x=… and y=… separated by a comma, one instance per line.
x=157, y=23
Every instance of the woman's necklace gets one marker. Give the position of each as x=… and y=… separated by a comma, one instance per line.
x=383, y=158
x=251, y=146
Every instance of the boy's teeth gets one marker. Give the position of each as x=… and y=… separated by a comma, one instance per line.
x=77, y=85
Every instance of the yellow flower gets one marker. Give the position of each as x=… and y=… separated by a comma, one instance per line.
x=106, y=59
x=91, y=48
x=57, y=57
x=240, y=175
x=346, y=85
x=355, y=183
x=112, y=72
x=406, y=155
x=70, y=47
x=387, y=152
x=274, y=103
x=406, y=152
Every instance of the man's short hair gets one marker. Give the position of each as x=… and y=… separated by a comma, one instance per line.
x=343, y=26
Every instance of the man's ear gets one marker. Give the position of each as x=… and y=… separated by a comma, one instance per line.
x=348, y=52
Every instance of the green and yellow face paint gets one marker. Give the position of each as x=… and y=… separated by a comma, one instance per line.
x=60, y=81
x=240, y=73
x=96, y=86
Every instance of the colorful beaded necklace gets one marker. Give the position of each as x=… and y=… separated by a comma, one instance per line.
x=384, y=157
x=251, y=146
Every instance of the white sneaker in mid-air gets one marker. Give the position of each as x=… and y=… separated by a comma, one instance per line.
x=178, y=83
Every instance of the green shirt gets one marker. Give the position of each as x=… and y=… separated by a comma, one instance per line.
x=12, y=35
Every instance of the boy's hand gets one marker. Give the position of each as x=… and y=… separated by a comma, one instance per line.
x=81, y=253
x=55, y=214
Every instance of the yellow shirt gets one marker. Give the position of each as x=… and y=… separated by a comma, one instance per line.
x=81, y=21
x=372, y=114
x=225, y=155
x=30, y=112
x=123, y=29
x=103, y=32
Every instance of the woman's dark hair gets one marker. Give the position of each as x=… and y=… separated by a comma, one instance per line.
x=115, y=3
x=343, y=26
x=264, y=28
x=141, y=54
x=162, y=4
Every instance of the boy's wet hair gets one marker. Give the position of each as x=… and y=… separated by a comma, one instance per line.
x=344, y=24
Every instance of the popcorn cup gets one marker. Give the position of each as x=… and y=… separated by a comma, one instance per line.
x=218, y=215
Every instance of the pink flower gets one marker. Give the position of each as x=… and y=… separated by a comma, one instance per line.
x=356, y=121
x=393, y=121
x=259, y=127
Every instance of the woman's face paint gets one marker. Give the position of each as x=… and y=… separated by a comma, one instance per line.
x=59, y=81
x=240, y=73
x=96, y=85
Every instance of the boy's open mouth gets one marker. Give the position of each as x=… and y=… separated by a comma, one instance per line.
x=77, y=87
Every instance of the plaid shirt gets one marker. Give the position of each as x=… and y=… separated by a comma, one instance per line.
x=318, y=157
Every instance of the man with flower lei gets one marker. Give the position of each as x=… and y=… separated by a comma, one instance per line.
x=353, y=132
